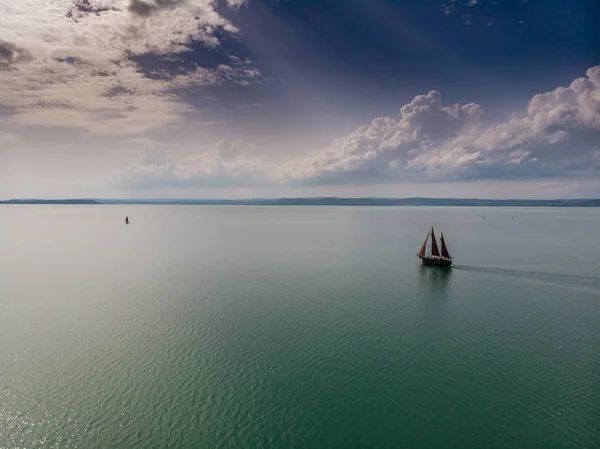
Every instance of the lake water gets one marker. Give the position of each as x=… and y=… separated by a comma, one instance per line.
x=298, y=327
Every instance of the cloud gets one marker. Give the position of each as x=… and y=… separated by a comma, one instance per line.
x=558, y=135
x=111, y=98
x=222, y=74
x=71, y=63
x=85, y=7
x=12, y=54
x=226, y=163
x=146, y=8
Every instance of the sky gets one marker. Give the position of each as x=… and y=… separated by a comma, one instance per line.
x=271, y=98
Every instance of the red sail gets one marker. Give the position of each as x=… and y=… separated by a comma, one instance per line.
x=422, y=252
x=444, y=249
x=434, y=247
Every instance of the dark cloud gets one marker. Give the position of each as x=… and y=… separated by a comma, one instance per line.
x=83, y=8
x=118, y=90
x=72, y=60
x=145, y=8
x=12, y=54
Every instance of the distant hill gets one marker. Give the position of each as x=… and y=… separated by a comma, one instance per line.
x=36, y=201
x=330, y=201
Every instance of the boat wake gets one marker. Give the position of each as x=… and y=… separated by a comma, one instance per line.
x=590, y=284
x=493, y=270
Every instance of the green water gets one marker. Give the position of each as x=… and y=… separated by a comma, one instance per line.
x=298, y=327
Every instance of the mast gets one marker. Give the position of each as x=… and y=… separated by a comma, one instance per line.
x=422, y=252
x=434, y=247
x=444, y=249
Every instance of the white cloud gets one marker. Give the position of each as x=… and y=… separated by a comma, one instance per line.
x=556, y=137
x=67, y=62
x=558, y=134
x=223, y=164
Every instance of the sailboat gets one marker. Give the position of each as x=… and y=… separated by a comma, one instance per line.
x=434, y=257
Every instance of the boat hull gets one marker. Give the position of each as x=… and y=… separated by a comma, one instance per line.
x=436, y=261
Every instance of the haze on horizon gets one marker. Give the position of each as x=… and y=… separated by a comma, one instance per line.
x=297, y=98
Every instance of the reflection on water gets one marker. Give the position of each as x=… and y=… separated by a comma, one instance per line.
x=434, y=288
x=435, y=278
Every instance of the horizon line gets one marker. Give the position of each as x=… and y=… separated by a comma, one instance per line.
x=342, y=198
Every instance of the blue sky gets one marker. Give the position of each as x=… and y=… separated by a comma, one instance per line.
x=235, y=98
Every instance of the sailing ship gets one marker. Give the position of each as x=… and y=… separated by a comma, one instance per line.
x=433, y=257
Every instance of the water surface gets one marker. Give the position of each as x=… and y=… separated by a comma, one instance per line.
x=298, y=327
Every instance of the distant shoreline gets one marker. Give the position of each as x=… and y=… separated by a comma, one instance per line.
x=326, y=201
